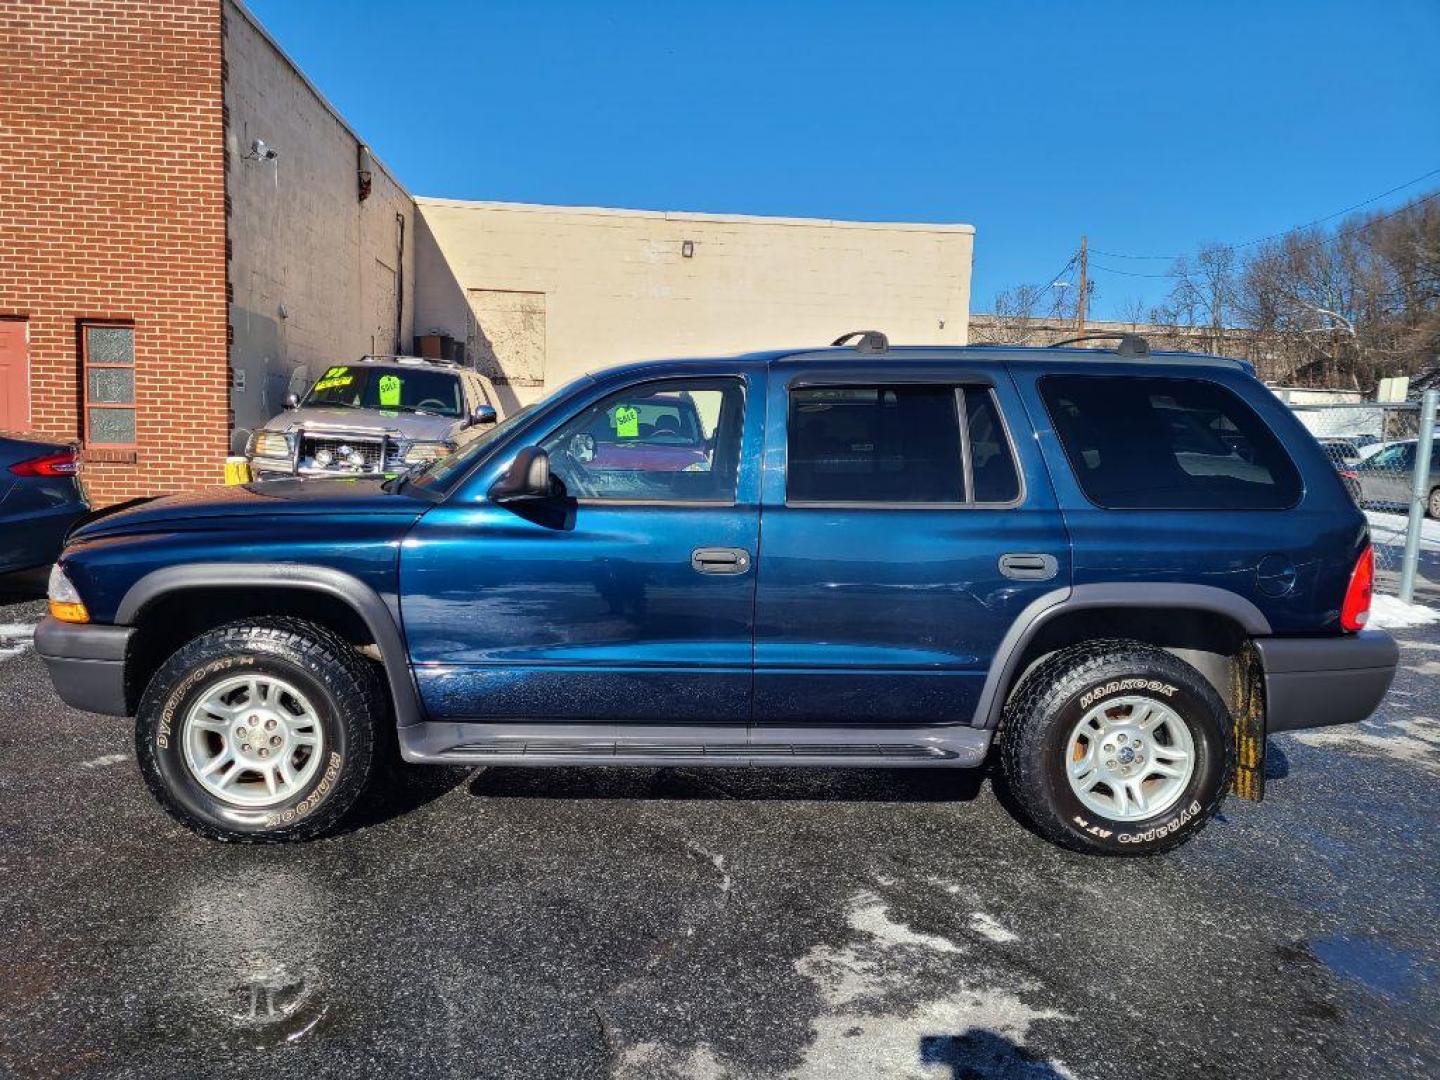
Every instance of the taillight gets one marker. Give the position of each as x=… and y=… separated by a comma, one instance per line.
x=1356, y=608
x=61, y=464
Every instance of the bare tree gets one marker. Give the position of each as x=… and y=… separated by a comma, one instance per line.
x=1134, y=311
x=1204, y=294
x=1014, y=317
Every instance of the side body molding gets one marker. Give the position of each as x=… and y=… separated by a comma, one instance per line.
x=353, y=592
x=1131, y=594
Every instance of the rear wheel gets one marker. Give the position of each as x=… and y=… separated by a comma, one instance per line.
x=1432, y=504
x=1116, y=748
x=261, y=731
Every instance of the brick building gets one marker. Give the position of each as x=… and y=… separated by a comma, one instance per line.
x=112, y=236
x=189, y=231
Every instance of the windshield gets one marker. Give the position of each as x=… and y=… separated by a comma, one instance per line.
x=440, y=475
x=414, y=390
x=437, y=475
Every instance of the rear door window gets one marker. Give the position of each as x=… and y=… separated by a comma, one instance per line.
x=1168, y=444
x=923, y=444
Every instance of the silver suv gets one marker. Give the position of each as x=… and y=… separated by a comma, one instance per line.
x=381, y=415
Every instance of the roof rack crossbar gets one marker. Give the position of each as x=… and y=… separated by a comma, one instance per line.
x=871, y=341
x=1130, y=344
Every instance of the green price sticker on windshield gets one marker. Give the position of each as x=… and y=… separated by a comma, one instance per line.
x=627, y=422
x=333, y=377
x=389, y=390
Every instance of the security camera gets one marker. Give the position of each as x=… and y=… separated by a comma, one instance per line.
x=260, y=152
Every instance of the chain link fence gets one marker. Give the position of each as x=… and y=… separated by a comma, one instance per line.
x=1373, y=448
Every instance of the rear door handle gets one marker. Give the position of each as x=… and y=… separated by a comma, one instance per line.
x=1024, y=566
x=720, y=560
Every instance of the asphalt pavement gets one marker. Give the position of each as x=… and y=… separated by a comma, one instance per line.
x=641, y=923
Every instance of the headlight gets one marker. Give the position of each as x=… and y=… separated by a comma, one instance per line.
x=271, y=444
x=422, y=452
x=65, y=602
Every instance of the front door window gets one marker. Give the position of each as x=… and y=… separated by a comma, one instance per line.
x=671, y=442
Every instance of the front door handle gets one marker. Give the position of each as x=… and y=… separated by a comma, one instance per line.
x=720, y=560
x=1018, y=566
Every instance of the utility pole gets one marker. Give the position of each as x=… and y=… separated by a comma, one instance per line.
x=1084, y=287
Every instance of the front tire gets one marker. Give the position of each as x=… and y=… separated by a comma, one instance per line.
x=1116, y=748
x=261, y=731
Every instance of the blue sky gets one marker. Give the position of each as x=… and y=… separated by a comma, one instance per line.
x=1153, y=127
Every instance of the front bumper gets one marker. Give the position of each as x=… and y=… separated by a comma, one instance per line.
x=277, y=469
x=1317, y=682
x=86, y=663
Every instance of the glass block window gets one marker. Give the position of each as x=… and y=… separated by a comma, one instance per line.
x=108, y=356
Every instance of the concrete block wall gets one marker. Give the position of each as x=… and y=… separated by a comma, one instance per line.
x=112, y=207
x=317, y=275
x=541, y=294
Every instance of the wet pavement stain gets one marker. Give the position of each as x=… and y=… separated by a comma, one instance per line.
x=1395, y=973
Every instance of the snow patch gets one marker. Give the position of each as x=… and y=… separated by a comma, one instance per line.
x=1395, y=614
x=103, y=760
x=987, y=926
x=851, y=1038
x=15, y=638
x=873, y=917
x=1415, y=741
x=717, y=861
x=1388, y=530
x=647, y=1059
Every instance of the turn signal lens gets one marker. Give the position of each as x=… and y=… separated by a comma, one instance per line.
x=65, y=602
x=1356, y=609
x=271, y=444
x=69, y=612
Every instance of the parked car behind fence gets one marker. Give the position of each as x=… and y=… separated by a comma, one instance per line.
x=1367, y=441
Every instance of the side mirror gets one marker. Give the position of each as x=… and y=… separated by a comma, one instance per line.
x=527, y=479
x=484, y=414
x=292, y=401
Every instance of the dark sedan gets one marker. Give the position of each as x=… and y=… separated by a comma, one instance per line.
x=40, y=497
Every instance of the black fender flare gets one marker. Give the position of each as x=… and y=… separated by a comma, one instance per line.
x=350, y=590
x=1130, y=594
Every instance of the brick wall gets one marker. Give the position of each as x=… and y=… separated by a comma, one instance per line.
x=112, y=207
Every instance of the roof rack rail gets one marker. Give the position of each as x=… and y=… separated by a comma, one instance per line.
x=406, y=358
x=871, y=341
x=1130, y=344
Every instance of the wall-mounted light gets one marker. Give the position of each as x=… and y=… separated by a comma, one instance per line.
x=365, y=170
x=687, y=249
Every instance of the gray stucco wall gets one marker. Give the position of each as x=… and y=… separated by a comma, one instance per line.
x=319, y=277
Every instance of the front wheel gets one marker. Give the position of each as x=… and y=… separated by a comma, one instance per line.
x=261, y=731
x=1116, y=748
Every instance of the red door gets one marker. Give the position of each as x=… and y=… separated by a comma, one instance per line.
x=14, y=376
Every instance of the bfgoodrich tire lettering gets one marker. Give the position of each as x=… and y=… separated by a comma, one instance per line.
x=1037, y=746
x=345, y=702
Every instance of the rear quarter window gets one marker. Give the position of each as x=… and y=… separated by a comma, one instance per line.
x=1168, y=444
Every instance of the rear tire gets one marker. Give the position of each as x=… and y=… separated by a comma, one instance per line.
x=1432, y=504
x=261, y=731
x=1085, y=738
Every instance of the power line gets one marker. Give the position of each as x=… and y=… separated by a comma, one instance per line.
x=1285, y=232
x=1299, y=247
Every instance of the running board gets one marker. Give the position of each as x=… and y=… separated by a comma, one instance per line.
x=524, y=743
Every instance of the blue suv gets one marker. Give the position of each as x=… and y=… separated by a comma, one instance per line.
x=1119, y=569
